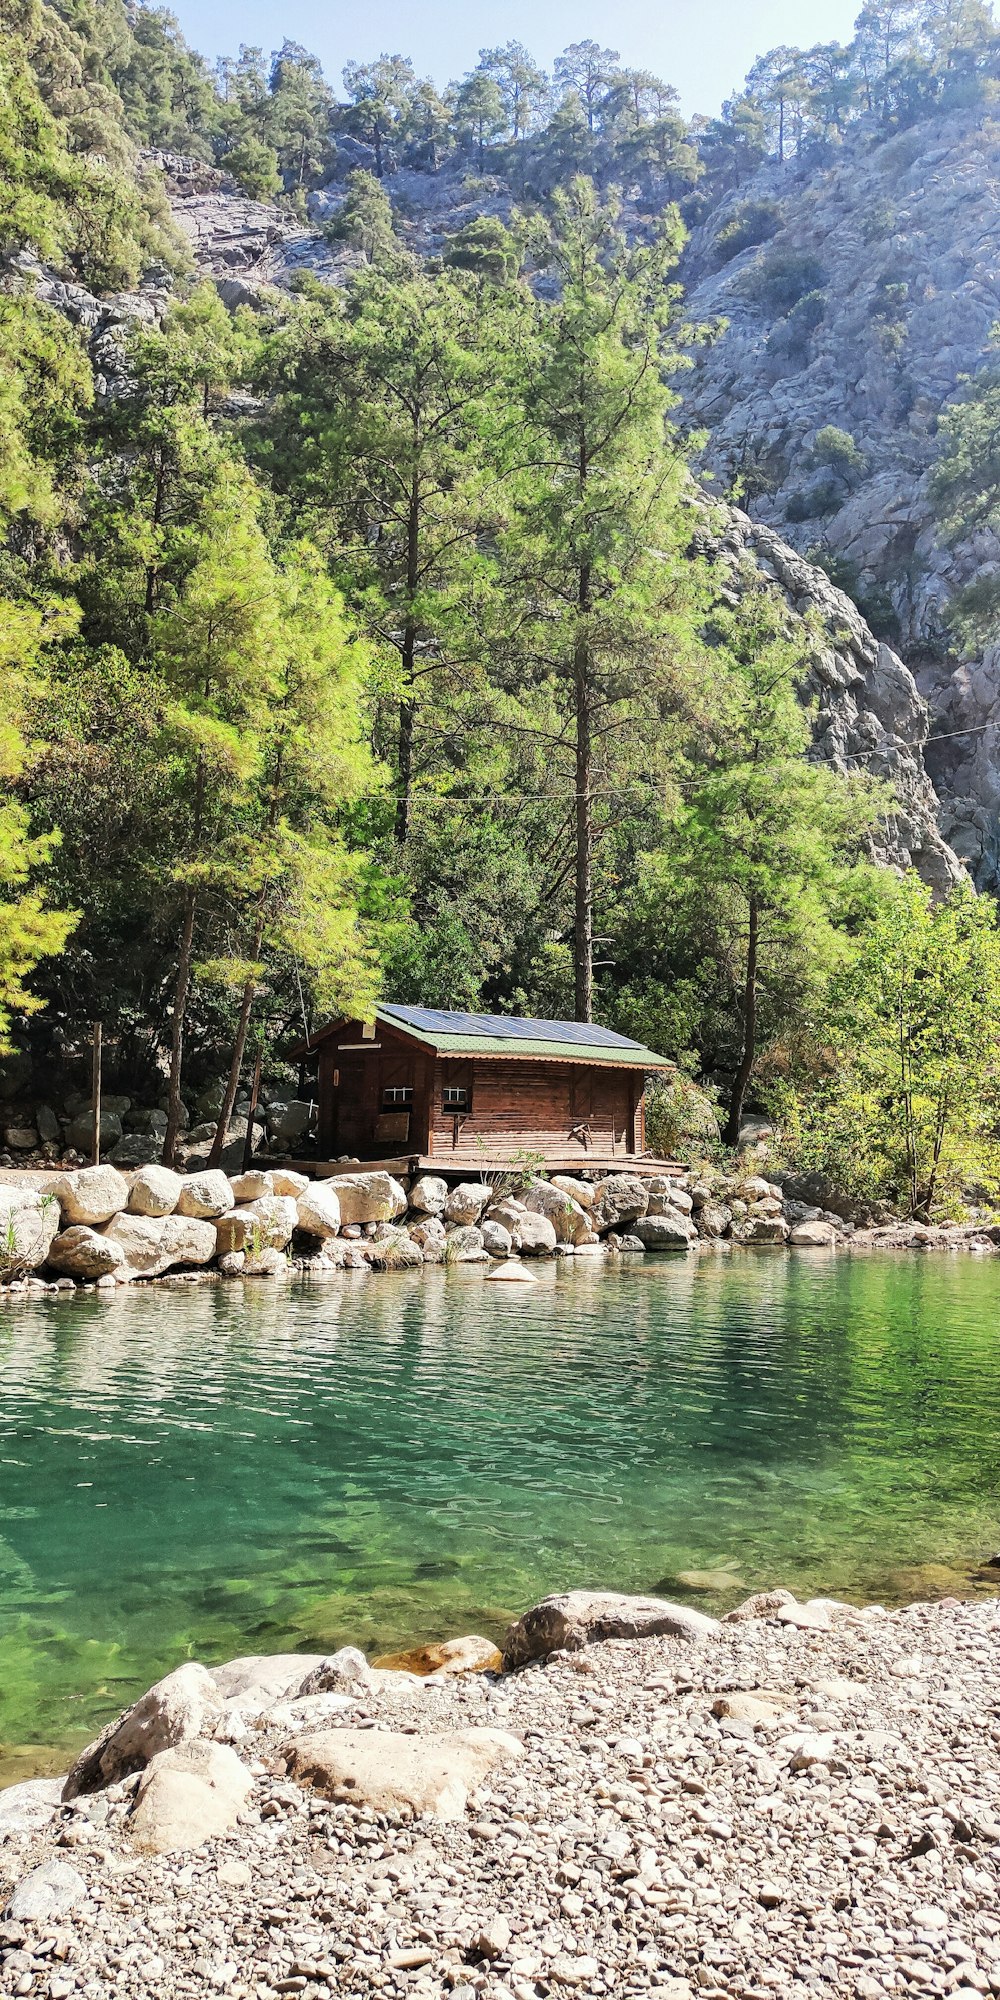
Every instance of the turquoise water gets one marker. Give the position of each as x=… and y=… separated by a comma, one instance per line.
x=209, y=1470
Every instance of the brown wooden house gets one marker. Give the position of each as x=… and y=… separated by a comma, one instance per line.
x=458, y=1089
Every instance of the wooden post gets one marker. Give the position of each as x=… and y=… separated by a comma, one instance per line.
x=95, y=1095
x=254, y=1095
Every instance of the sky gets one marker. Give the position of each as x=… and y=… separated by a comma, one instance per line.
x=703, y=47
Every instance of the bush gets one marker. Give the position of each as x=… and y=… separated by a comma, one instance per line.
x=838, y=450
x=487, y=249
x=254, y=168
x=779, y=279
x=752, y=223
x=680, y=1118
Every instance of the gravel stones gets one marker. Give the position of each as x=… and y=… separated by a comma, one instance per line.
x=577, y=1618
x=391, y=1772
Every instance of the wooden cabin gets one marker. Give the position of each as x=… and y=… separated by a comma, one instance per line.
x=474, y=1089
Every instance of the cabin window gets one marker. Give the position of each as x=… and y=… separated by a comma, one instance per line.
x=397, y=1097
x=456, y=1097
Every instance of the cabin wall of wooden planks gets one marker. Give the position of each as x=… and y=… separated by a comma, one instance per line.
x=532, y=1105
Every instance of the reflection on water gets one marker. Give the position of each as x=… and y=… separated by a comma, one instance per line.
x=206, y=1470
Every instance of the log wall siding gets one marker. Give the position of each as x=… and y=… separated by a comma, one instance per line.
x=532, y=1106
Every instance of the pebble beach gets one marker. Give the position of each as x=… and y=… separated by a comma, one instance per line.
x=799, y=1800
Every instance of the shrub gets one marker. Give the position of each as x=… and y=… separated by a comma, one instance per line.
x=780, y=278
x=752, y=223
x=486, y=248
x=878, y=223
x=838, y=450
x=254, y=168
x=789, y=340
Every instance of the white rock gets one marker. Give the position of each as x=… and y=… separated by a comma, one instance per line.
x=581, y=1191
x=429, y=1194
x=154, y=1191
x=29, y=1222
x=374, y=1197
x=318, y=1209
x=206, y=1195
x=510, y=1273
x=188, y=1795
x=184, y=1704
x=84, y=1253
x=535, y=1236
x=91, y=1195
x=287, y=1182
x=49, y=1892
x=250, y=1186
x=467, y=1201
x=391, y=1772
x=569, y=1219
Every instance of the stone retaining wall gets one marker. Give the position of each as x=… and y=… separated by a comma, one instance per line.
x=97, y=1226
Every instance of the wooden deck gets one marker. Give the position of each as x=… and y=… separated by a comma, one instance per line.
x=466, y=1169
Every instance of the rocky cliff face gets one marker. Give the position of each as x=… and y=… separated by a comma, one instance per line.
x=904, y=242
x=869, y=713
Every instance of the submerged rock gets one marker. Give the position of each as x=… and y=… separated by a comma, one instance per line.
x=471, y=1655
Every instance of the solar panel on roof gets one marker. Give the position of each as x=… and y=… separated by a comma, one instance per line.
x=433, y=1020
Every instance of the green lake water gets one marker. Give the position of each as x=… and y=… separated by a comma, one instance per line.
x=207, y=1470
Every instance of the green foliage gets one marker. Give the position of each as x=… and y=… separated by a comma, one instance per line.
x=254, y=167
x=487, y=249
x=365, y=220
x=966, y=489
x=780, y=278
x=912, y=1027
x=752, y=223
x=838, y=449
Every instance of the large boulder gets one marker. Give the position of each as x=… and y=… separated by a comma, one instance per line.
x=188, y=1795
x=393, y=1773
x=713, y=1219
x=465, y=1245
x=80, y=1252
x=290, y=1122
x=154, y=1244
x=813, y=1236
x=372, y=1197
x=29, y=1220
x=535, y=1236
x=155, y=1191
x=392, y=1249
x=318, y=1210
x=136, y=1149
x=429, y=1194
x=576, y=1618
x=581, y=1191
x=206, y=1195
x=261, y=1678
x=285, y=1180
x=252, y=1185
x=469, y=1655
x=672, y=1231
x=617, y=1199
x=264, y=1224
x=184, y=1704
x=467, y=1201
x=761, y=1229
x=570, y=1220
x=80, y=1131
x=91, y=1195
x=496, y=1240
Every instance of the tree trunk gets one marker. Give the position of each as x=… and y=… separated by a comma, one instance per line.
x=407, y=705
x=236, y=1065
x=749, y=1056
x=181, y=991
x=583, y=952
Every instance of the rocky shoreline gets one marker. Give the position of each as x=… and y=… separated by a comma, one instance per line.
x=99, y=1228
x=800, y=1799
